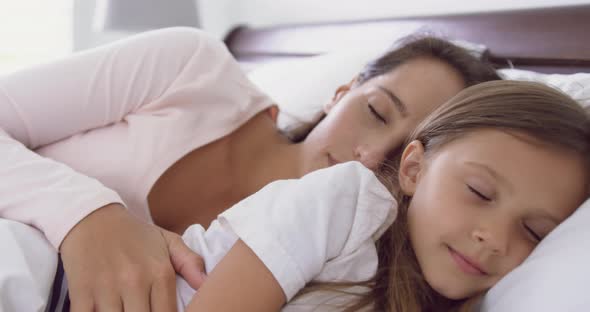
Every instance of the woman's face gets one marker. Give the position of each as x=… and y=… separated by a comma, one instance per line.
x=366, y=122
x=482, y=202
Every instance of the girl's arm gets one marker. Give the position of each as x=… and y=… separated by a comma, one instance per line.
x=289, y=233
x=240, y=282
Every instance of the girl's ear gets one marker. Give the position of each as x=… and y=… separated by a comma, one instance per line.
x=411, y=165
x=273, y=112
x=340, y=92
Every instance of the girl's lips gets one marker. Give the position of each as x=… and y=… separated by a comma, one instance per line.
x=465, y=264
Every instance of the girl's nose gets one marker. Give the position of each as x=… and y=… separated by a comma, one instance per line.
x=495, y=241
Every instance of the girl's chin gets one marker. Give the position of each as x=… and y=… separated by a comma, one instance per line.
x=445, y=289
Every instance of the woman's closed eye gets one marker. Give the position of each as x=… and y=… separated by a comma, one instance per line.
x=376, y=114
x=477, y=193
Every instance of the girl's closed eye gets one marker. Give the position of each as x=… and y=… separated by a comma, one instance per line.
x=376, y=113
x=536, y=237
x=538, y=228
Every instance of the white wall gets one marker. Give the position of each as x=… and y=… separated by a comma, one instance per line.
x=83, y=33
x=33, y=31
x=219, y=16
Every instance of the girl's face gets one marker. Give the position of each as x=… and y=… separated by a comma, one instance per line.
x=482, y=202
x=366, y=122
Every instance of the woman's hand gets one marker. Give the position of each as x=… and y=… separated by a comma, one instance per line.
x=114, y=262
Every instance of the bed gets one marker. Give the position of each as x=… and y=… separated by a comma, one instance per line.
x=549, y=45
x=550, y=40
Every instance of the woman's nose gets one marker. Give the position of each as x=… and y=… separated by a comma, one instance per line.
x=370, y=156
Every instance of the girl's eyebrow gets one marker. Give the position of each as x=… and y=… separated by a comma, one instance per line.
x=491, y=172
x=497, y=176
x=399, y=105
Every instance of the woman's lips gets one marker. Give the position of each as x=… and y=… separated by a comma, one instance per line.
x=332, y=161
x=465, y=264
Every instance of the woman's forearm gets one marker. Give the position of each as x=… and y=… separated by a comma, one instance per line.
x=44, y=193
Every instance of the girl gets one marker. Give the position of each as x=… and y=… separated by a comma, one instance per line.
x=168, y=124
x=479, y=184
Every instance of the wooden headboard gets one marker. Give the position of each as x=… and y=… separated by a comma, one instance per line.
x=547, y=40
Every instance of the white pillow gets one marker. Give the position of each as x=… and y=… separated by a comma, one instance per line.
x=575, y=85
x=555, y=276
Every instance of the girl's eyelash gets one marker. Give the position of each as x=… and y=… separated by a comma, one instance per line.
x=480, y=195
x=533, y=234
x=376, y=114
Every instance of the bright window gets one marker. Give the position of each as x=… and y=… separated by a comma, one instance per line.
x=34, y=31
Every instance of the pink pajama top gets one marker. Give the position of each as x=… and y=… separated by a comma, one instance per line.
x=107, y=122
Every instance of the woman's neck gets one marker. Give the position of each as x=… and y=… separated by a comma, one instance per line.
x=260, y=154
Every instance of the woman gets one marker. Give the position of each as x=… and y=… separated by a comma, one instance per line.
x=168, y=121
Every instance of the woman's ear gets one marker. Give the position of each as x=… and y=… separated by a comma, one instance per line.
x=273, y=112
x=340, y=92
x=411, y=166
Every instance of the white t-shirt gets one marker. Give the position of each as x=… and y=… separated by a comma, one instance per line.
x=321, y=227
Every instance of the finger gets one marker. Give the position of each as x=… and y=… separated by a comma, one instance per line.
x=81, y=302
x=185, y=261
x=136, y=299
x=80, y=295
x=163, y=292
x=107, y=301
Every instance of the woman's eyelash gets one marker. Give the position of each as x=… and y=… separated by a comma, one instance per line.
x=376, y=114
x=480, y=195
x=535, y=236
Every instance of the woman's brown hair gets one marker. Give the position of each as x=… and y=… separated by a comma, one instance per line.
x=472, y=69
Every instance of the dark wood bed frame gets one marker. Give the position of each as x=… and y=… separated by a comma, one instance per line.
x=547, y=40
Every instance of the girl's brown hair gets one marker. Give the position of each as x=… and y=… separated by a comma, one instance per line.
x=541, y=113
x=472, y=69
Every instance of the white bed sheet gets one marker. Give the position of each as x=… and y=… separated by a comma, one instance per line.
x=27, y=267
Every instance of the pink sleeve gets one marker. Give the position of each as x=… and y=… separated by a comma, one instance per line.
x=87, y=90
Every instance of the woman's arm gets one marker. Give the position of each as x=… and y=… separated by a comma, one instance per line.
x=97, y=87
x=240, y=282
x=89, y=90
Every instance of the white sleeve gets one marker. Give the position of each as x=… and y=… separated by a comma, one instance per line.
x=88, y=90
x=296, y=226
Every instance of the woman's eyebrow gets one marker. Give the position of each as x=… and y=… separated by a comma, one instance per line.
x=401, y=107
